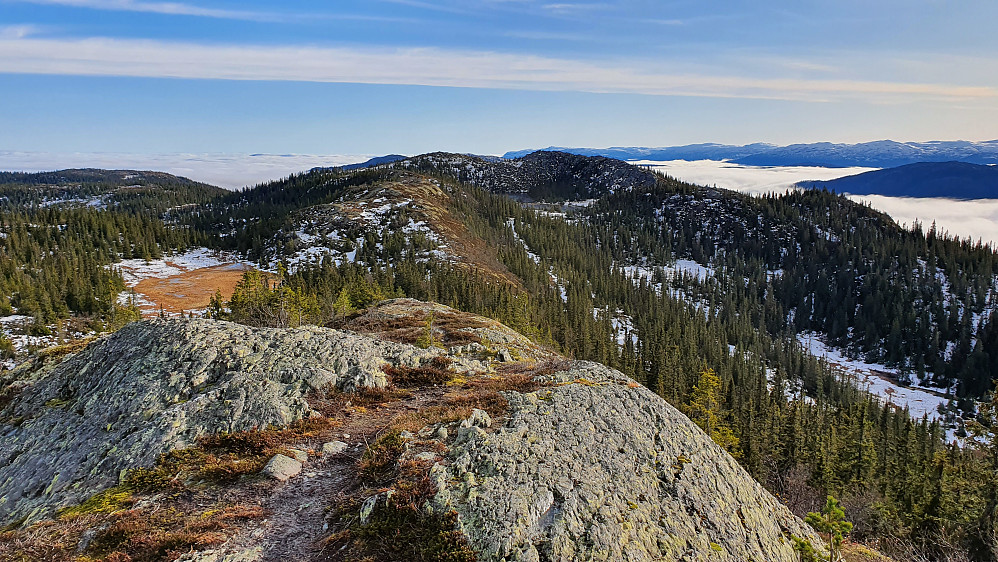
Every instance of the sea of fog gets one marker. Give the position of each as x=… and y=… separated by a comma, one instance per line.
x=231, y=171
x=977, y=219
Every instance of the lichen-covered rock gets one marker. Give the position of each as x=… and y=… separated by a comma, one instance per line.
x=602, y=469
x=281, y=467
x=157, y=385
x=333, y=447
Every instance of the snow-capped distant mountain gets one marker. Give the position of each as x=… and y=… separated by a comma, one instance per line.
x=876, y=154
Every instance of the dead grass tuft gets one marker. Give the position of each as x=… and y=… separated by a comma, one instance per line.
x=399, y=528
x=167, y=534
x=335, y=402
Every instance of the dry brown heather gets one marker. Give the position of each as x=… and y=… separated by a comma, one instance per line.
x=190, y=290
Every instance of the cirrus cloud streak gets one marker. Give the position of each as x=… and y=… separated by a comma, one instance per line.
x=433, y=67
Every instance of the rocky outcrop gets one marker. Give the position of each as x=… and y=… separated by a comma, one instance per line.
x=589, y=466
x=157, y=385
x=599, y=468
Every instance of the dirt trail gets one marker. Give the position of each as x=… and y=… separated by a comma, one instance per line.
x=296, y=523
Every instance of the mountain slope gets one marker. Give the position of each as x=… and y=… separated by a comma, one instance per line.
x=538, y=175
x=954, y=180
x=123, y=190
x=666, y=282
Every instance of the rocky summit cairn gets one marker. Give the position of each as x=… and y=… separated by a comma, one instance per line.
x=597, y=467
x=157, y=385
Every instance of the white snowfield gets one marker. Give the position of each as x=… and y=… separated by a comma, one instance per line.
x=920, y=401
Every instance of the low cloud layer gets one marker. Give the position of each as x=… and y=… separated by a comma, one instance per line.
x=231, y=171
x=965, y=219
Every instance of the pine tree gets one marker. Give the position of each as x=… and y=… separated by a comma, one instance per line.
x=831, y=521
x=704, y=409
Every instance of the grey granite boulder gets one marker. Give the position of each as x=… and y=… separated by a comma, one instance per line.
x=282, y=468
x=333, y=448
x=604, y=469
x=157, y=385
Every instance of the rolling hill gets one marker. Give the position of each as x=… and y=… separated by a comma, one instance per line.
x=953, y=180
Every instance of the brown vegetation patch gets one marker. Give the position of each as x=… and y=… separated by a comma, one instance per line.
x=398, y=528
x=225, y=457
x=7, y=395
x=337, y=403
x=166, y=534
x=446, y=328
x=163, y=529
x=433, y=372
x=190, y=290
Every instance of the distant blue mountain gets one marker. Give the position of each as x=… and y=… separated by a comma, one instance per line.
x=376, y=161
x=705, y=151
x=954, y=180
x=877, y=154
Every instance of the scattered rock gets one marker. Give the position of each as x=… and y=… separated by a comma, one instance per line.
x=426, y=456
x=299, y=455
x=282, y=468
x=479, y=418
x=367, y=508
x=406, y=436
x=466, y=433
x=442, y=433
x=504, y=356
x=248, y=555
x=333, y=448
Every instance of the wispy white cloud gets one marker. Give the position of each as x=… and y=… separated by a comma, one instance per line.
x=433, y=67
x=19, y=31
x=574, y=7
x=549, y=36
x=187, y=9
x=166, y=8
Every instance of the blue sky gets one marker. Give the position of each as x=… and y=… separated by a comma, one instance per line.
x=487, y=76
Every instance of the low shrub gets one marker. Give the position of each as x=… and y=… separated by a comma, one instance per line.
x=380, y=461
x=433, y=372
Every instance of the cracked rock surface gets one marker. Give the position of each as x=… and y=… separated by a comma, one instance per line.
x=157, y=385
x=599, y=468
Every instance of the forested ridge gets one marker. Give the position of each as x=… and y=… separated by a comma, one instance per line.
x=815, y=261
x=723, y=349
x=60, y=232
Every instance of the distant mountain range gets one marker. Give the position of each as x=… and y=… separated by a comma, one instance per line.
x=876, y=154
x=955, y=180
